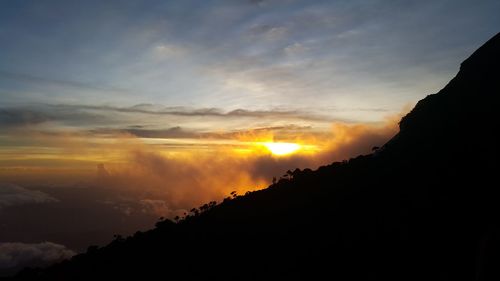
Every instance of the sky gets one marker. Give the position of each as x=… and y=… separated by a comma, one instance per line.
x=131, y=110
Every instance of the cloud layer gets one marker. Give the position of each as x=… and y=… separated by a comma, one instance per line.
x=14, y=256
x=169, y=169
x=170, y=184
x=12, y=195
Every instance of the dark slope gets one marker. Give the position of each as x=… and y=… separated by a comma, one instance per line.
x=424, y=207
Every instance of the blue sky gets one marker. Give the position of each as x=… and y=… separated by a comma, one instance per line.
x=356, y=60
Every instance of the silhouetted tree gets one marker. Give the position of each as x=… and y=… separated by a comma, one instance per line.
x=234, y=194
x=195, y=211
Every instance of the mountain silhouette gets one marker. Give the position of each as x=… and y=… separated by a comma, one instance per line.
x=422, y=207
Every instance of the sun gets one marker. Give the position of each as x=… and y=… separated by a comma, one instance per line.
x=281, y=148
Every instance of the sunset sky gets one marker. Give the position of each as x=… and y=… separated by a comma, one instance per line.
x=137, y=109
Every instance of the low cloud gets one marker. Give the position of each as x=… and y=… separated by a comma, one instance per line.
x=160, y=208
x=15, y=256
x=167, y=171
x=12, y=195
x=350, y=140
x=168, y=184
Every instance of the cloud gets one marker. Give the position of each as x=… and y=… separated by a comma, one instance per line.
x=88, y=115
x=257, y=2
x=165, y=51
x=166, y=184
x=12, y=195
x=205, y=112
x=19, y=255
x=27, y=78
x=22, y=117
x=350, y=140
x=390, y=48
x=178, y=132
x=170, y=133
x=99, y=117
x=160, y=208
x=183, y=168
x=294, y=49
x=33, y=115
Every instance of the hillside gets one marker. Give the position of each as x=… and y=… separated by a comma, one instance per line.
x=423, y=207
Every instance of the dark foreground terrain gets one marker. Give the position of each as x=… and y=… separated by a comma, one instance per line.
x=422, y=207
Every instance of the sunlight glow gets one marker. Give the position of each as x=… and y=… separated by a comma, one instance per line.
x=282, y=148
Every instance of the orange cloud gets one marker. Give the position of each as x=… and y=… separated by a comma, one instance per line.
x=168, y=177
